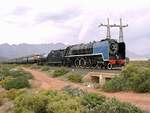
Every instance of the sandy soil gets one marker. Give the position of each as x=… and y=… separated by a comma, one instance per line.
x=45, y=82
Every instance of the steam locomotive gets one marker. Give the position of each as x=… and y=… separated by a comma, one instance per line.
x=106, y=53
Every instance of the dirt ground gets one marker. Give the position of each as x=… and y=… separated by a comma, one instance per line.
x=43, y=81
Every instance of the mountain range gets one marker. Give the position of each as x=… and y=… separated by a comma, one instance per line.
x=8, y=51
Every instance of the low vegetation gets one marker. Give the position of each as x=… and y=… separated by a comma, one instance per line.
x=60, y=72
x=47, y=102
x=75, y=78
x=15, y=83
x=45, y=68
x=14, y=93
x=62, y=102
x=35, y=66
x=13, y=77
x=74, y=91
x=134, y=77
x=68, y=100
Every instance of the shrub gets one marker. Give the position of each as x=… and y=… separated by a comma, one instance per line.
x=91, y=101
x=5, y=71
x=2, y=95
x=14, y=72
x=20, y=73
x=74, y=91
x=114, y=85
x=13, y=93
x=99, y=104
x=114, y=106
x=64, y=106
x=61, y=102
x=141, y=81
x=45, y=68
x=47, y=102
x=15, y=83
x=60, y=72
x=133, y=77
x=75, y=78
x=30, y=103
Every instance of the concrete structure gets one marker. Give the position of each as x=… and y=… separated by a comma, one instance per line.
x=101, y=77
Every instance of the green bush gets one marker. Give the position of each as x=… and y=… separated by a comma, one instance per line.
x=13, y=93
x=31, y=103
x=99, y=104
x=114, y=85
x=6, y=71
x=13, y=77
x=75, y=78
x=133, y=77
x=60, y=72
x=114, y=106
x=45, y=68
x=15, y=83
x=20, y=73
x=61, y=102
x=91, y=101
x=64, y=106
x=74, y=91
x=47, y=102
x=2, y=95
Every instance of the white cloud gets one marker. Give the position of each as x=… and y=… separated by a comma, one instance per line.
x=72, y=21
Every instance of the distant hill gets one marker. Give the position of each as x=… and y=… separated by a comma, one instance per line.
x=3, y=59
x=13, y=51
x=135, y=56
x=147, y=56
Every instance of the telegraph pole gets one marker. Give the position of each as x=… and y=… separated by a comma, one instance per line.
x=108, y=28
x=120, y=30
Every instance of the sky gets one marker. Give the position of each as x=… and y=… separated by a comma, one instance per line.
x=74, y=21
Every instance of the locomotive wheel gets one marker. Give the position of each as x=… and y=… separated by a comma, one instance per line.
x=88, y=63
x=82, y=63
x=109, y=66
x=77, y=62
x=99, y=66
x=94, y=64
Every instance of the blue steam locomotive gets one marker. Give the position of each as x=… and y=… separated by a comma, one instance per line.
x=106, y=53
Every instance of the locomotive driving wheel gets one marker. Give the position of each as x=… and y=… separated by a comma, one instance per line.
x=99, y=66
x=109, y=66
x=82, y=63
x=88, y=62
x=77, y=62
